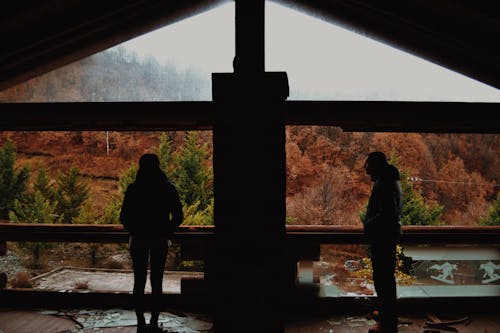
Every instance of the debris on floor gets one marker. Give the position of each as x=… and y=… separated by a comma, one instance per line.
x=434, y=323
x=96, y=319
x=351, y=322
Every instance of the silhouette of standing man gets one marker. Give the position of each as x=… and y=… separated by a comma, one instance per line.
x=382, y=228
x=151, y=212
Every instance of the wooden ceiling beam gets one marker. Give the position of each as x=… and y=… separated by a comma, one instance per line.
x=361, y=116
x=108, y=116
x=426, y=117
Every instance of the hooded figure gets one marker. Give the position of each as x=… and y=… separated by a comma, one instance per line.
x=383, y=228
x=151, y=212
x=383, y=214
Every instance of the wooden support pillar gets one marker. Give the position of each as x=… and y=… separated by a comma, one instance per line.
x=248, y=268
x=250, y=275
x=249, y=34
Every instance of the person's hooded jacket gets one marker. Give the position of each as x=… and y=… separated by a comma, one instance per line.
x=151, y=206
x=383, y=214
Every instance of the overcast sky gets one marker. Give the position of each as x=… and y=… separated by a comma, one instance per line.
x=323, y=61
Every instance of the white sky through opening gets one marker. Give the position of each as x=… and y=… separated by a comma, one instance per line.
x=323, y=61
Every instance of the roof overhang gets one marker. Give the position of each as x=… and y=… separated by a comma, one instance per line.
x=458, y=34
x=37, y=37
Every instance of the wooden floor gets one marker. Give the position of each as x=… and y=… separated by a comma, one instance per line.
x=12, y=321
x=480, y=323
x=15, y=321
x=30, y=322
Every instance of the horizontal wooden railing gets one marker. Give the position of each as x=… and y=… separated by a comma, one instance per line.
x=303, y=243
x=411, y=234
x=91, y=233
x=311, y=234
x=320, y=234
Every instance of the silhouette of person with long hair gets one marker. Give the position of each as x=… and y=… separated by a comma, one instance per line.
x=382, y=228
x=151, y=212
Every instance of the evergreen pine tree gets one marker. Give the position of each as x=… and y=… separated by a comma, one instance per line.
x=12, y=183
x=126, y=178
x=44, y=185
x=111, y=213
x=193, y=176
x=71, y=194
x=165, y=155
x=194, y=216
x=88, y=215
x=415, y=210
x=35, y=209
x=493, y=217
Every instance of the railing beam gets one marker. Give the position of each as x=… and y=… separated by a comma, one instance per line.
x=361, y=116
x=296, y=234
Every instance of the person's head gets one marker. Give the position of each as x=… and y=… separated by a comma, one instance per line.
x=375, y=164
x=149, y=162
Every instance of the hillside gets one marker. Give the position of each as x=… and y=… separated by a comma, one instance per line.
x=59, y=151
x=326, y=183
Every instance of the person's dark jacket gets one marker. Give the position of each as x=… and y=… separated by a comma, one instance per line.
x=382, y=220
x=151, y=206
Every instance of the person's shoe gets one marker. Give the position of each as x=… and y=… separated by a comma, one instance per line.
x=379, y=328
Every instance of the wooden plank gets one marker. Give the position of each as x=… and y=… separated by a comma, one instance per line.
x=28, y=322
x=108, y=233
x=411, y=235
x=119, y=116
x=379, y=116
x=435, y=117
x=197, y=236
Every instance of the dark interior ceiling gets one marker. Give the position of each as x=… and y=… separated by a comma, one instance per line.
x=38, y=36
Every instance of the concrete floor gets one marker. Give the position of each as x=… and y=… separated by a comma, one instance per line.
x=14, y=321
x=104, y=280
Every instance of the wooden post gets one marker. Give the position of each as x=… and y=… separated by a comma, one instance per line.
x=249, y=184
x=248, y=271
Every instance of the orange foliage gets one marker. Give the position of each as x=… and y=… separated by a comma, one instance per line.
x=463, y=194
x=326, y=183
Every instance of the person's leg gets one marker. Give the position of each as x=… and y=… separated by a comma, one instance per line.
x=140, y=265
x=158, y=259
x=384, y=264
